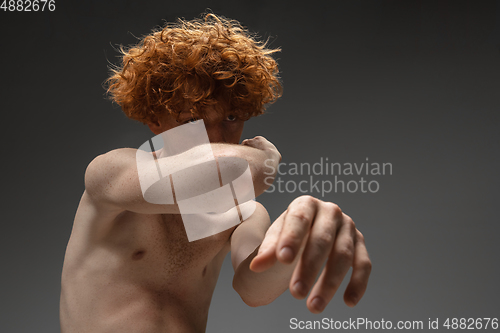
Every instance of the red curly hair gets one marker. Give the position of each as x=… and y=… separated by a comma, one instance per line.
x=192, y=65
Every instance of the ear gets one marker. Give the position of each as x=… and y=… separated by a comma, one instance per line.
x=155, y=126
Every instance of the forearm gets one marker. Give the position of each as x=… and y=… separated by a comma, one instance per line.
x=257, y=289
x=254, y=288
x=203, y=169
x=262, y=163
x=116, y=179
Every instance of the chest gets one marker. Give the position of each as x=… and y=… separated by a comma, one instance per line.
x=160, y=242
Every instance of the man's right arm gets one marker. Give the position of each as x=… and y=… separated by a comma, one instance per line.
x=112, y=180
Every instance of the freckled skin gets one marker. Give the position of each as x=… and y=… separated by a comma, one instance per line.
x=142, y=275
x=129, y=272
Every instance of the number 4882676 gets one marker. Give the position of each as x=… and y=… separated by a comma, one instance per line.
x=28, y=5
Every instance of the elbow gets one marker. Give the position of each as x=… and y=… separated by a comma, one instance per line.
x=253, y=300
x=250, y=297
x=254, y=303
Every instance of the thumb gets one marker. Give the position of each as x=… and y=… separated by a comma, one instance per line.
x=264, y=260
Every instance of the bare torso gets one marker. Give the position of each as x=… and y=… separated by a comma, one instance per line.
x=128, y=272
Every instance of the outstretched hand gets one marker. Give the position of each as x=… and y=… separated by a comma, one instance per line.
x=309, y=233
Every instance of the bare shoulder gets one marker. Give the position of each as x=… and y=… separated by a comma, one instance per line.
x=249, y=234
x=112, y=161
x=259, y=217
x=105, y=171
x=258, y=222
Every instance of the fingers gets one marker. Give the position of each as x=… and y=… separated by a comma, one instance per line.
x=361, y=270
x=259, y=142
x=337, y=266
x=319, y=246
x=311, y=232
x=296, y=225
x=266, y=256
x=246, y=142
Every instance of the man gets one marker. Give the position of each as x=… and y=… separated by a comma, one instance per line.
x=129, y=266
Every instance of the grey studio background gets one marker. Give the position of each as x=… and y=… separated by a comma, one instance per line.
x=411, y=83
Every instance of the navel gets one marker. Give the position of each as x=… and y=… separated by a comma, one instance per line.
x=139, y=254
x=204, y=271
